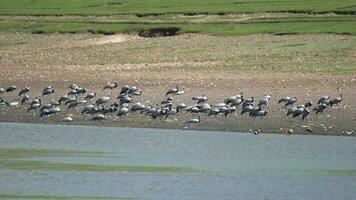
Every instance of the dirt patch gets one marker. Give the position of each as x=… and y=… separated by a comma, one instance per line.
x=109, y=39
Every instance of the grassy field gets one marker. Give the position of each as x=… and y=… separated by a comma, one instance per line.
x=109, y=7
x=225, y=18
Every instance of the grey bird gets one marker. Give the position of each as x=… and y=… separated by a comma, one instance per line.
x=48, y=90
x=336, y=101
x=319, y=108
x=284, y=99
x=63, y=98
x=291, y=102
x=36, y=103
x=172, y=90
x=138, y=107
x=264, y=100
x=323, y=99
x=47, y=112
x=11, y=88
x=247, y=108
x=25, y=98
x=102, y=100
x=180, y=106
x=99, y=117
x=24, y=91
x=90, y=96
x=110, y=86
x=123, y=111
x=194, y=120
x=200, y=99
x=258, y=112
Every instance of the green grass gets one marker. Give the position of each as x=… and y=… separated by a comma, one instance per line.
x=34, y=196
x=109, y=7
x=54, y=166
x=16, y=153
x=336, y=24
x=10, y=159
x=11, y=43
x=162, y=13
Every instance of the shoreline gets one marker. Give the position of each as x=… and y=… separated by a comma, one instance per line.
x=168, y=129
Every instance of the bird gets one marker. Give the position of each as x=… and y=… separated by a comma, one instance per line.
x=204, y=108
x=200, y=99
x=25, y=98
x=180, y=106
x=172, y=90
x=180, y=92
x=87, y=108
x=99, y=117
x=124, y=89
x=48, y=90
x=63, y=98
x=264, y=100
x=171, y=111
x=248, y=101
x=102, y=100
x=123, y=111
x=67, y=118
x=301, y=111
x=52, y=110
x=138, y=107
x=323, y=99
x=169, y=100
x=110, y=86
x=336, y=100
x=11, y=88
x=247, y=108
x=194, y=120
x=3, y=102
x=2, y=90
x=90, y=96
x=24, y=91
x=73, y=86
x=258, y=112
x=284, y=99
x=291, y=102
x=319, y=108
x=256, y=131
x=36, y=103
x=233, y=98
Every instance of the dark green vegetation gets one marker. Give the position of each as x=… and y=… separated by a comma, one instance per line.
x=227, y=17
x=10, y=159
x=16, y=196
x=110, y=7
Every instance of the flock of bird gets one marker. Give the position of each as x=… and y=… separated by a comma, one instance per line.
x=99, y=108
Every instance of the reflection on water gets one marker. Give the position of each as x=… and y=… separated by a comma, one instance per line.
x=78, y=162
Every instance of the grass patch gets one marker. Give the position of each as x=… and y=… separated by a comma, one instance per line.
x=44, y=165
x=157, y=7
x=11, y=43
x=16, y=153
x=336, y=26
x=16, y=196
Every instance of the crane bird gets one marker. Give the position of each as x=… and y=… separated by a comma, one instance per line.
x=24, y=90
x=110, y=86
x=11, y=88
x=194, y=120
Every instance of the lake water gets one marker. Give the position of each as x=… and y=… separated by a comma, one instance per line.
x=83, y=162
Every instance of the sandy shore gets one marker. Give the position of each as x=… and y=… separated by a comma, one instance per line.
x=60, y=60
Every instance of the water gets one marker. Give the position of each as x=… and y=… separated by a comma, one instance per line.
x=78, y=162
